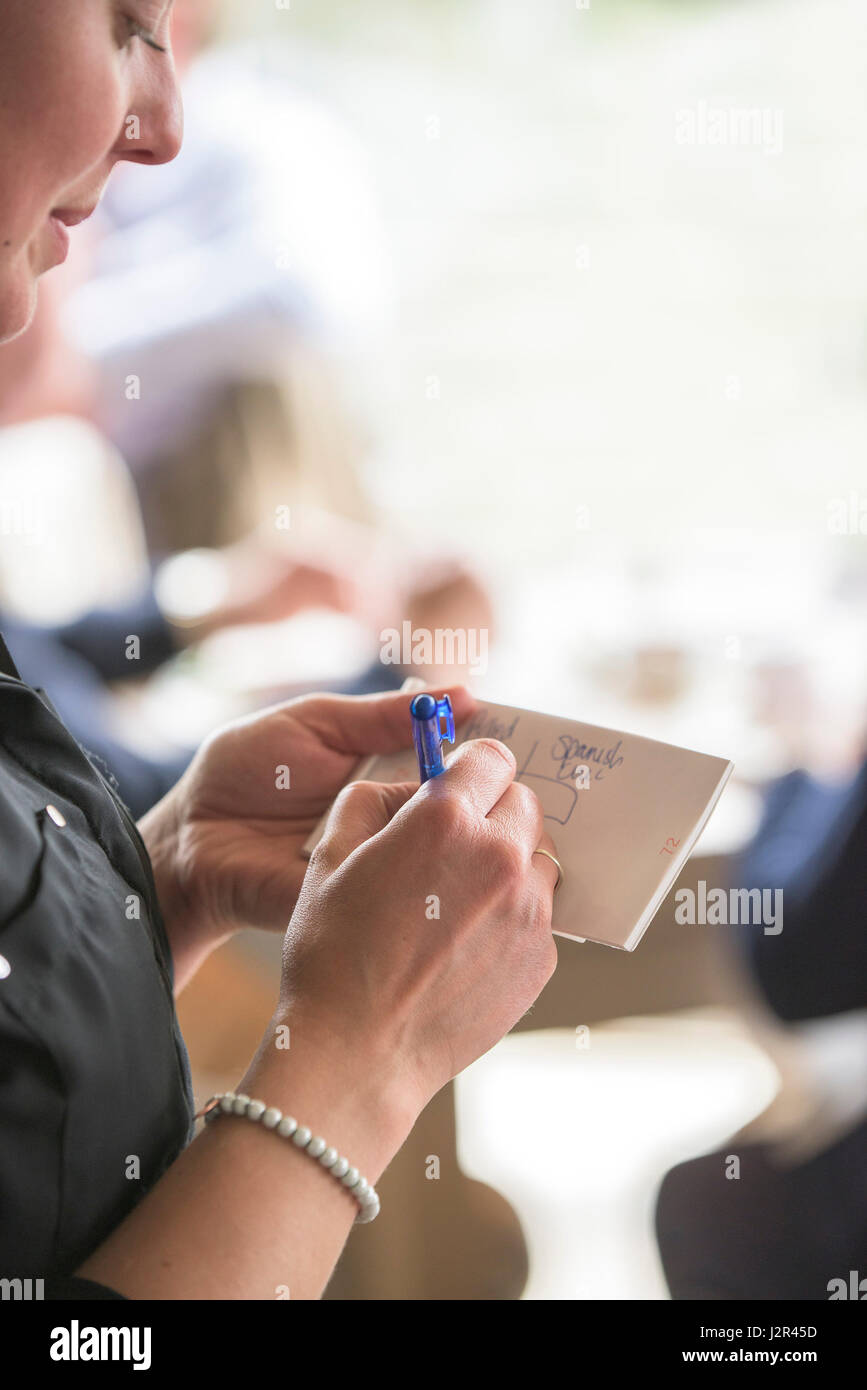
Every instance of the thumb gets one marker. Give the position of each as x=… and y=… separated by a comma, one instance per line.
x=361, y=810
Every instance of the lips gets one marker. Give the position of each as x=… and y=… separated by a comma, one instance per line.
x=60, y=220
x=60, y=240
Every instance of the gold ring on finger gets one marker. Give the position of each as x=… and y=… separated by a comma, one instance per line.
x=554, y=860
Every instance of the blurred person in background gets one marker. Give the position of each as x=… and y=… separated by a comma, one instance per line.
x=238, y=235
x=790, y=1226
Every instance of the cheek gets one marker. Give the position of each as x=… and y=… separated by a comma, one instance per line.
x=61, y=111
x=62, y=105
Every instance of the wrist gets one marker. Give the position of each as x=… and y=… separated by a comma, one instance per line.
x=356, y=1098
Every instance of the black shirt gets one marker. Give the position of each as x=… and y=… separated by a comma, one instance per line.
x=95, y=1091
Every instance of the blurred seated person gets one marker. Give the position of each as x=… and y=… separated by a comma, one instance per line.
x=78, y=660
x=322, y=562
x=197, y=594
x=211, y=225
x=786, y=1229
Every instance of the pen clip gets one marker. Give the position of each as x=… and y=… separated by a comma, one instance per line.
x=445, y=712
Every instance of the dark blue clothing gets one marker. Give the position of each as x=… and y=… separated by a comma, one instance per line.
x=772, y=1232
x=811, y=843
x=778, y=1232
x=74, y=661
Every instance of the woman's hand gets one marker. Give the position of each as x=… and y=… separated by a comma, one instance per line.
x=422, y=932
x=226, y=842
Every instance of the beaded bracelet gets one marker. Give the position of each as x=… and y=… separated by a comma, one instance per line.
x=229, y=1103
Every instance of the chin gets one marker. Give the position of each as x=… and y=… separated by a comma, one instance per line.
x=18, y=295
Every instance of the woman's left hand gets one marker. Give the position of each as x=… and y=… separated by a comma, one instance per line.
x=226, y=842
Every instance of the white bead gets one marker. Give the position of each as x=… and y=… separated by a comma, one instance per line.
x=272, y=1117
x=329, y=1158
x=368, y=1212
x=316, y=1147
x=287, y=1126
x=227, y=1104
x=350, y=1177
x=361, y=1189
x=240, y=1105
x=256, y=1109
x=340, y=1167
x=302, y=1136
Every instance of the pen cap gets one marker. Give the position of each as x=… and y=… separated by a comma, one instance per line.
x=428, y=715
x=425, y=707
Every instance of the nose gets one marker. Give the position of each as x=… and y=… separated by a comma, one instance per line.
x=153, y=131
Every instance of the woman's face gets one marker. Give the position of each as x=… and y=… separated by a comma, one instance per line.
x=82, y=86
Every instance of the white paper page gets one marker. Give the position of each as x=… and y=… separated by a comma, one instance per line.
x=624, y=812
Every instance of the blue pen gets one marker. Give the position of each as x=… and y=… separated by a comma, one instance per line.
x=428, y=734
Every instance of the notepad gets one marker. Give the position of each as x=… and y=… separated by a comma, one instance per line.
x=624, y=812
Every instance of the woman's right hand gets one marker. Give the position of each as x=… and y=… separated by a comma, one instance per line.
x=422, y=932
